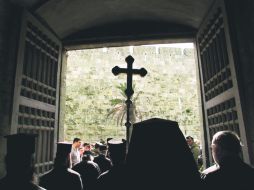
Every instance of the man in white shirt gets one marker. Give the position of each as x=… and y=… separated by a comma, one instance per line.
x=75, y=155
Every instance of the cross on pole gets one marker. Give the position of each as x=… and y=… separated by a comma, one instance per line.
x=129, y=90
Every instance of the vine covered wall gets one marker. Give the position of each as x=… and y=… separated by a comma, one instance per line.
x=94, y=97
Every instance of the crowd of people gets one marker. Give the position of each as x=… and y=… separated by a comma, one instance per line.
x=158, y=157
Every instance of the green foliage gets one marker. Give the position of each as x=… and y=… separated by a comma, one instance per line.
x=119, y=111
x=95, y=98
x=122, y=88
x=116, y=101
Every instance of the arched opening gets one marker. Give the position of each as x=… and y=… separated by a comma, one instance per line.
x=34, y=60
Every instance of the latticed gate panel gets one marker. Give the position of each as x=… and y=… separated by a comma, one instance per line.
x=37, y=89
x=214, y=58
x=218, y=79
x=39, y=76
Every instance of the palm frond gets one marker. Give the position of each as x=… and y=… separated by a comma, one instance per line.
x=116, y=101
x=121, y=122
x=120, y=109
x=123, y=94
x=115, y=110
x=119, y=115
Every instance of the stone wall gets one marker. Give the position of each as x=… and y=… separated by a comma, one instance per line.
x=93, y=67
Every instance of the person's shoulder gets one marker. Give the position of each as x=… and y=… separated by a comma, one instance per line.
x=73, y=176
x=103, y=180
x=103, y=175
x=99, y=157
x=195, y=145
x=72, y=172
x=92, y=163
x=73, y=150
x=211, y=169
x=210, y=172
x=36, y=187
x=78, y=166
x=40, y=188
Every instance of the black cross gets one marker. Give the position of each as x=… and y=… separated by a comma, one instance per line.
x=129, y=91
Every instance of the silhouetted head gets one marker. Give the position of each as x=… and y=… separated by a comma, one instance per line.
x=87, y=157
x=97, y=145
x=20, y=156
x=117, y=151
x=174, y=165
x=103, y=149
x=108, y=139
x=225, y=145
x=62, y=159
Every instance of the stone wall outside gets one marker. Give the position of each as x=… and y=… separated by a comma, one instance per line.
x=162, y=62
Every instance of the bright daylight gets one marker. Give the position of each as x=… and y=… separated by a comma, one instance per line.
x=95, y=99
